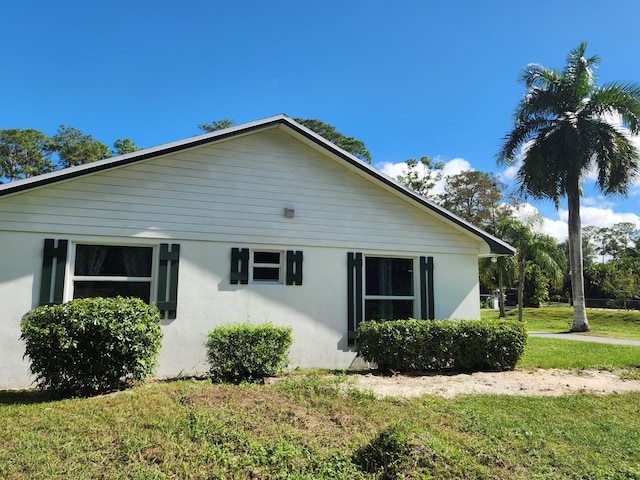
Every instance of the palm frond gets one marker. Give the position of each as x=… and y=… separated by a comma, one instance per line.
x=535, y=75
x=578, y=74
x=516, y=140
x=617, y=98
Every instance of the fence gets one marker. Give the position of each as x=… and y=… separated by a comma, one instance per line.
x=633, y=304
x=491, y=301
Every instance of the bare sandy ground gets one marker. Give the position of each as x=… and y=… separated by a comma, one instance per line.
x=517, y=382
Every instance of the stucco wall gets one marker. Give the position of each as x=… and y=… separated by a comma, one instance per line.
x=228, y=194
x=317, y=309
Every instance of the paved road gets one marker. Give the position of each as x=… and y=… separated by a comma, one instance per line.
x=585, y=338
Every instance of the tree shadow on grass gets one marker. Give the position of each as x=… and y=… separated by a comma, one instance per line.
x=24, y=397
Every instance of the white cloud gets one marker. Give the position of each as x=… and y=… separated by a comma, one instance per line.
x=455, y=166
x=510, y=173
x=599, y=216
x=452, y=167
x=556, y=228
x=391, y=169
x=596, y=210
x=599, y=202
x=604, y=217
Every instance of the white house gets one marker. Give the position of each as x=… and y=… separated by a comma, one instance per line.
x=262, y=222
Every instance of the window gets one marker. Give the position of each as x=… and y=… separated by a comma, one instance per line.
x=112, y=270
x=266, y=267
x=389, y=288
x=387, y=291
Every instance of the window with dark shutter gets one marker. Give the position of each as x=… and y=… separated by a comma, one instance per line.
x=167, y=295
x=354, y=294
x=53, y=267
x=240, y=265
x=266, y=266
x=427, y=306
x=294, y=267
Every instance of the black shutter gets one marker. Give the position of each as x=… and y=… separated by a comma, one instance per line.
x=294, y=267
x=240, y=265
x=167, y=298
x=427, y=308
x=354, y=294
x=54, y=262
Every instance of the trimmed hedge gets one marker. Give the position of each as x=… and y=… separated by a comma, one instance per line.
x=244, y=352
x=459, y=345
x=92, y=345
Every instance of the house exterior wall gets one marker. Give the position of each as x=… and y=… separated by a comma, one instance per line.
x=228, y=195
x=236, y=190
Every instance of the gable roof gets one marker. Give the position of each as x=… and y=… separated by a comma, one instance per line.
x=496, y=246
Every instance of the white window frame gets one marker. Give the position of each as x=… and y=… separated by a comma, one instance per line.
x=272, y=266
x=73, y=278
x=414, y=282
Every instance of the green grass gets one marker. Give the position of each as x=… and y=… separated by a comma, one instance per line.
x=316, y=427
x=311, y=425
x=570, y=354
x=603, y=323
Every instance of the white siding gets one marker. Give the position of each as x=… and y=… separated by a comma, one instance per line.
x=237, y=190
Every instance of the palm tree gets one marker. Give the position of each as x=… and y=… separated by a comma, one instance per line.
x=532, y=247
x=564, y=126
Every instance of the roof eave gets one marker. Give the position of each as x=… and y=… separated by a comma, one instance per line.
x=496, y=246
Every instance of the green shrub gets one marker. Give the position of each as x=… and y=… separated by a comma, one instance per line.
x=92, y=345
x=244, y=352
x=460, y=345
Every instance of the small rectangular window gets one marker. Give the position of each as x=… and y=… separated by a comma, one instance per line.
x=267, y=267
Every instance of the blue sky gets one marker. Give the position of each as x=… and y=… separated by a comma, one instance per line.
x=408, y=78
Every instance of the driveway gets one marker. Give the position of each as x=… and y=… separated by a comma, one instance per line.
x=585, y=338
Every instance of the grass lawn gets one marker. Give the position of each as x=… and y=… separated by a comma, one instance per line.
x=603, y=323
x=316, y=426
x=567, y=354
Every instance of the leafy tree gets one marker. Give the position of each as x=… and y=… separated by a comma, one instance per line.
x=328, y=132
x=535, y=290
x=532, y=247
x=421, y=176
x=122, y=146
x=75, y=148
x=615, y=242
x=24, y=153
x=621, y=281
x=477, y=197
x=562, y=129
x=216, y=125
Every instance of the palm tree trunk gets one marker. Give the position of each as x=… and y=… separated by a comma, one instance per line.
x=521, y=266
x=580, y=323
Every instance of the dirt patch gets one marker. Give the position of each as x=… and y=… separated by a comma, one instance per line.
x=518, y=382
x=270, y=405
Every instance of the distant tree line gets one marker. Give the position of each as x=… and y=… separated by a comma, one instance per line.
x=28, y=152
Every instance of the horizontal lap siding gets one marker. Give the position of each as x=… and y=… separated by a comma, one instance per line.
x=235, y=191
